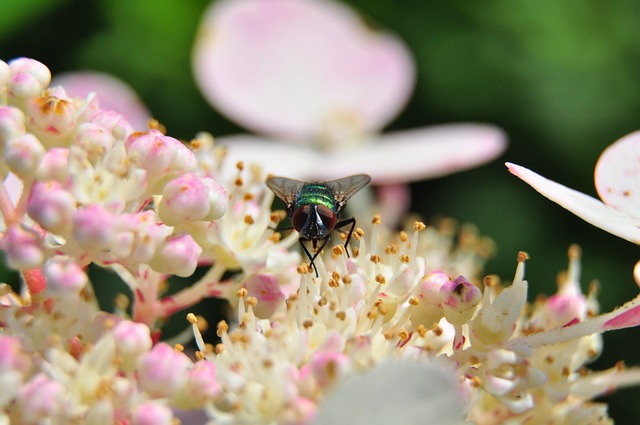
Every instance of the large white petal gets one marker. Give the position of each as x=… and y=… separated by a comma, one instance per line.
x=419, y=154
x=617, y=174
x=399, y=157
x=395, y=392
x=291, y=67
x=589, y=209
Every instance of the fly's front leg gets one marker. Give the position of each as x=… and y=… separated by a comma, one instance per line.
x=352, y=222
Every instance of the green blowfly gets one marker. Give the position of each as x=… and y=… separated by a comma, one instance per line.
x=314, y=207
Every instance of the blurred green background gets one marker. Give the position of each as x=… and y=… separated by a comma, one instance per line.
x=561, y=77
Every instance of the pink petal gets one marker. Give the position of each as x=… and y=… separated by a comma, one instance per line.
x=290, y=67
x=617, y=175
x=589, y=209
x=399, y=157
x=113, y=94
x=419, y=154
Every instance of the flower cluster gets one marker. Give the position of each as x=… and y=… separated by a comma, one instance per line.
x=407, y=312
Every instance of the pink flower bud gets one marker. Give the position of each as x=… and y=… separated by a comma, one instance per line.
x=266, y=288
x=163, y=370
x=64, y=276
x=51, y=206
x=113, y=122
x=23, y=154
x=12, y=357
x=137, y=237
x=202, y=384
x=11, y=122
x=428, y=309
x=152, y=414
x=94, y=139
x=191, y=198
x=28, y=78
x=132, y=340
x=40, y=399
x=178, y=255
x=459, y=299
x=160, y=154
x=23, y=248
x=54, y=165
x=52, y=119
x=93, y=227
x=327, y=367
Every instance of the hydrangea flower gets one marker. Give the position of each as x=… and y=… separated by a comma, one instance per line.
x=408, y=322
x=320, y=85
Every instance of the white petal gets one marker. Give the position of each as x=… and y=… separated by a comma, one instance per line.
x=399, y=392
x=275, y=157
x=419, y=154
x=589, y=209
x=617, y=175
x=290, y=67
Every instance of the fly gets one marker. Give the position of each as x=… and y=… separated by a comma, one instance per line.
x=314, y=208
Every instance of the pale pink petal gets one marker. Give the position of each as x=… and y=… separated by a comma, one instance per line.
x=275, y=157
x=589, y=209
x=617, y=175
x=419, y=154
x=290, y=68
x=113, y=94
x=399, y=157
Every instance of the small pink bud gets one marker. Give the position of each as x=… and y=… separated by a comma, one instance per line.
x=12, y=357
x=132, y=340
x=23, y=248
x=137, y=237
x=28, y=78
x=266, y=288
x=94, y=139
x=459, y=299
x=327, y=367
x=428, y=310
x=54, y=165
x=40, y=399
x=52, y=119
x=150, y=413
x=51, y=206
x=93, y=227
x=160, y=154
x=64, y=276
x=163, y=370
x=113, y=122
x=191, y=198
x=11, y=123
x=23, y=154
x=177, y=255
x=202, y=384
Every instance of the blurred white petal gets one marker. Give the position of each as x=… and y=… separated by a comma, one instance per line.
x=617, y=175
x=589, y=209
x=290, y=67
x=399, y=157
x=395, y=392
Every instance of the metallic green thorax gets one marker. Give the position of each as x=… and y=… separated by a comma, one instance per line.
x=315, y=193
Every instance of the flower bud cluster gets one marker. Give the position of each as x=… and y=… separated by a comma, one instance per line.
x=81, y=187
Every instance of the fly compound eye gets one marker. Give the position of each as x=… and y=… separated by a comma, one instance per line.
x=300, y=217
x=327, y=216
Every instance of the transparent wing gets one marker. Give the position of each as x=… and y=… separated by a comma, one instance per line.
x=284, y=188
x=346, y=187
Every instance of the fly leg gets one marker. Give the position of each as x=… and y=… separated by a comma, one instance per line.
x=350, y=221
x=313, y=257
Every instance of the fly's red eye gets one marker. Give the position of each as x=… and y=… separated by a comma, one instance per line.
x=300, y=217
x=327, y=216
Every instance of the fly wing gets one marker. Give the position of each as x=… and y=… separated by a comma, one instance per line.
x=344, y=188
x=285, y=189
